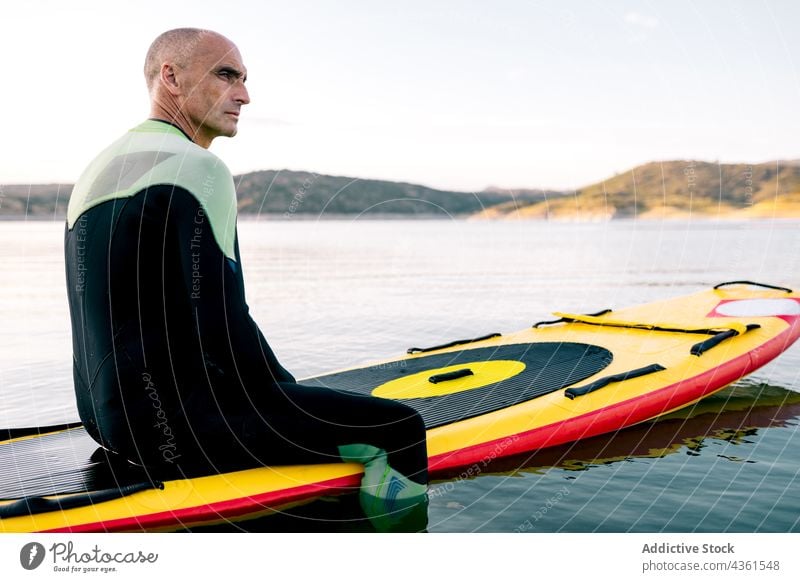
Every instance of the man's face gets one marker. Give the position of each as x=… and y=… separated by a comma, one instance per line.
x=214, y=89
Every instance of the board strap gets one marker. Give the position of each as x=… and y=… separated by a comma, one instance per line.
x=451, y=344
x=739, y=328
x=702, y=347
x=753, y=283
x=555, y=321
x=572, y=393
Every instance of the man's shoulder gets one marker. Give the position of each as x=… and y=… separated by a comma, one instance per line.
x=154, y=146
x=151, y=154
x=155, y=154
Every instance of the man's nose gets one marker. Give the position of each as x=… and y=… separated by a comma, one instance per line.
x=242, y=95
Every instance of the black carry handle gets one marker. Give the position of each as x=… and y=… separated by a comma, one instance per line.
x=754, y=284
x=699, y=349
x=571, y=393
x=455, y=375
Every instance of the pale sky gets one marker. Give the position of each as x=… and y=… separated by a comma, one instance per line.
x=454, y=95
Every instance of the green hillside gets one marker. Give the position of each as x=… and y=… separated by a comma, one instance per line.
x=287, y=193
x=679, y=188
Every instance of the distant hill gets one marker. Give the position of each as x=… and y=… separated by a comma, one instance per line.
x=286, y=192
x=39, y=200
x=675, y=189
x=289, y=193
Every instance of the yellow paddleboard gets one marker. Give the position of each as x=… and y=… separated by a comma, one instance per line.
x=560, y=381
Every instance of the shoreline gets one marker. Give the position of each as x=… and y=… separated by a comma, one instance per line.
x=649, y=218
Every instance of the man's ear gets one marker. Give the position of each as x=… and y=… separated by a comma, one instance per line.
x=169, y=79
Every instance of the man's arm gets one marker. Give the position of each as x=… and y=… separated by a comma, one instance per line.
x=214, y=285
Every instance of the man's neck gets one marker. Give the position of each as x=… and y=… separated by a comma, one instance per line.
x=171, y=113
x=175, y=125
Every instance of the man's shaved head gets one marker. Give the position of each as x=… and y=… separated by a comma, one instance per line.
x=196, y=81
x=174, y=46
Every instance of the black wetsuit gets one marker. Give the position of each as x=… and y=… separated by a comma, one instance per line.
x=170, y=370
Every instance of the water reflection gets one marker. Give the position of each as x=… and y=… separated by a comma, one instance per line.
x=734, y=415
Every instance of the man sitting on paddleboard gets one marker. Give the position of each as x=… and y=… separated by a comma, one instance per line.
x=170, y=370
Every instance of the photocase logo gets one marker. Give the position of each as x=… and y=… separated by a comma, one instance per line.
x=31, y=555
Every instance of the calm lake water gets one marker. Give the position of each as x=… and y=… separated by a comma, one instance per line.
x=332, y=294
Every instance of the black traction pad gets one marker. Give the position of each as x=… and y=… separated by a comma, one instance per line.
x=63, y=462
x=70, y=461
x=549, y=366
